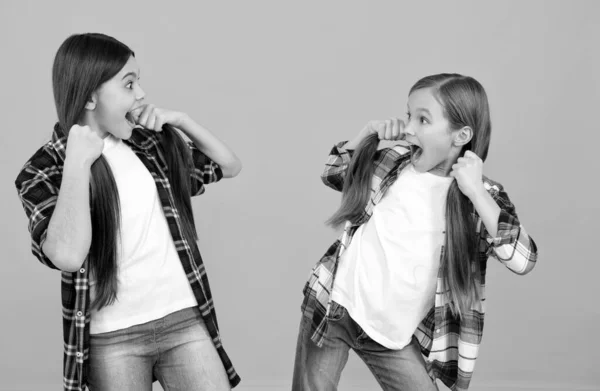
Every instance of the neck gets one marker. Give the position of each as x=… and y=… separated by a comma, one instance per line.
x=89, y=120
x=445, y=166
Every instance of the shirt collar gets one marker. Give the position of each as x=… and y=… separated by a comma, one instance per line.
x=143, y=139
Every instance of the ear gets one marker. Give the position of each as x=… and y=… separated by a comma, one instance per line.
x=91, y=103
x=463, y=136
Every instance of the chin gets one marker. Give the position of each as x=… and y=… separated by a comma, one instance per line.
x=422, y=166
x=417, y=164
x=126, y=133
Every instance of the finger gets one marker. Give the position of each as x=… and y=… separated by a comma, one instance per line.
x=160, y=121
x=388, y=129
x=137, y=112
x=471, y=154
x=150, y=119
x=457, y=166
x=151, y=122
x=381, y=130
x=401, y=131
x=395, y=128
x=149, y=115
x=145, y=115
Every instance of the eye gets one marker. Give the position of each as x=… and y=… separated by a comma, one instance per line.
x=408, y=115
x=129, y=85
x=424, y=120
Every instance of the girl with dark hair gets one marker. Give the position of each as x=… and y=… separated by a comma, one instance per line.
x=108, y=202
x=404, y=284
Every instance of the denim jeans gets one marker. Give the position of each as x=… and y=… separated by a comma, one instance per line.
x=319, y=369
x=176, y=349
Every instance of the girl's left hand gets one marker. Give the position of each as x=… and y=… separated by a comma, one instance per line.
x=153, y=118
x=468, y=172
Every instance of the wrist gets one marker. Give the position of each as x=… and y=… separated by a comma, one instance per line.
x=181, y=121
x=354, y=143
x=75, y=166
x=479, y=194
x=351, y=144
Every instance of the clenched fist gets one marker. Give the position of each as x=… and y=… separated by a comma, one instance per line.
x=153, y=118
x=84, y=145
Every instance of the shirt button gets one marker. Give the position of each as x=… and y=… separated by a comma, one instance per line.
x=79, y=313
x=437, y=331
x=82, y=270
x=78, y=354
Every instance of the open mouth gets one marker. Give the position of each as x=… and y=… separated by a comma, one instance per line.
x=130, y=120
x=415, y=151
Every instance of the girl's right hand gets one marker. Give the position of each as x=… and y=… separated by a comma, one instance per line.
x=390, y=129
x=84, y=145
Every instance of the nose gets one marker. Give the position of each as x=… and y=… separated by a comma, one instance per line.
x=408, y=129
x=139, y=93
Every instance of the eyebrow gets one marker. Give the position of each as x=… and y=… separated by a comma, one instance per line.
x=422, y=109
x=132, y=73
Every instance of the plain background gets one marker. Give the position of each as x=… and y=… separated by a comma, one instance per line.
x=281, y=83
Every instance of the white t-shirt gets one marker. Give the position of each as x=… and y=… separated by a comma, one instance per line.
x=151, y=279
x=386, y=278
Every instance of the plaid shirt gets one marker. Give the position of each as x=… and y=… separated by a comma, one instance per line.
x=38, y=185
x=450, y=345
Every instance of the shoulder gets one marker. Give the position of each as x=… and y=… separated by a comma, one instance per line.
x=44, y=163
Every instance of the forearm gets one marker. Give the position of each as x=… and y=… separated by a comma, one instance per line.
x=488, y=210
x=69, y=233
x=211, y=146
x=509, y=241
x=354, y=143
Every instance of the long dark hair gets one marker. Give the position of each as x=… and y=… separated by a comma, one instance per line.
x=465, y=103
x=81, y=65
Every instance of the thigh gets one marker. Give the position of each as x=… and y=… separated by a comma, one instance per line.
x=121, y=360
x=320, y=368
x=188, y=358
x=397, y=370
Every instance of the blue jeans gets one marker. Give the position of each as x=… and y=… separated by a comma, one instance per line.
x=176, y=349
x=319, y=369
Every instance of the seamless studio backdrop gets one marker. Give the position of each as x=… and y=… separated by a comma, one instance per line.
x=281, y=83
